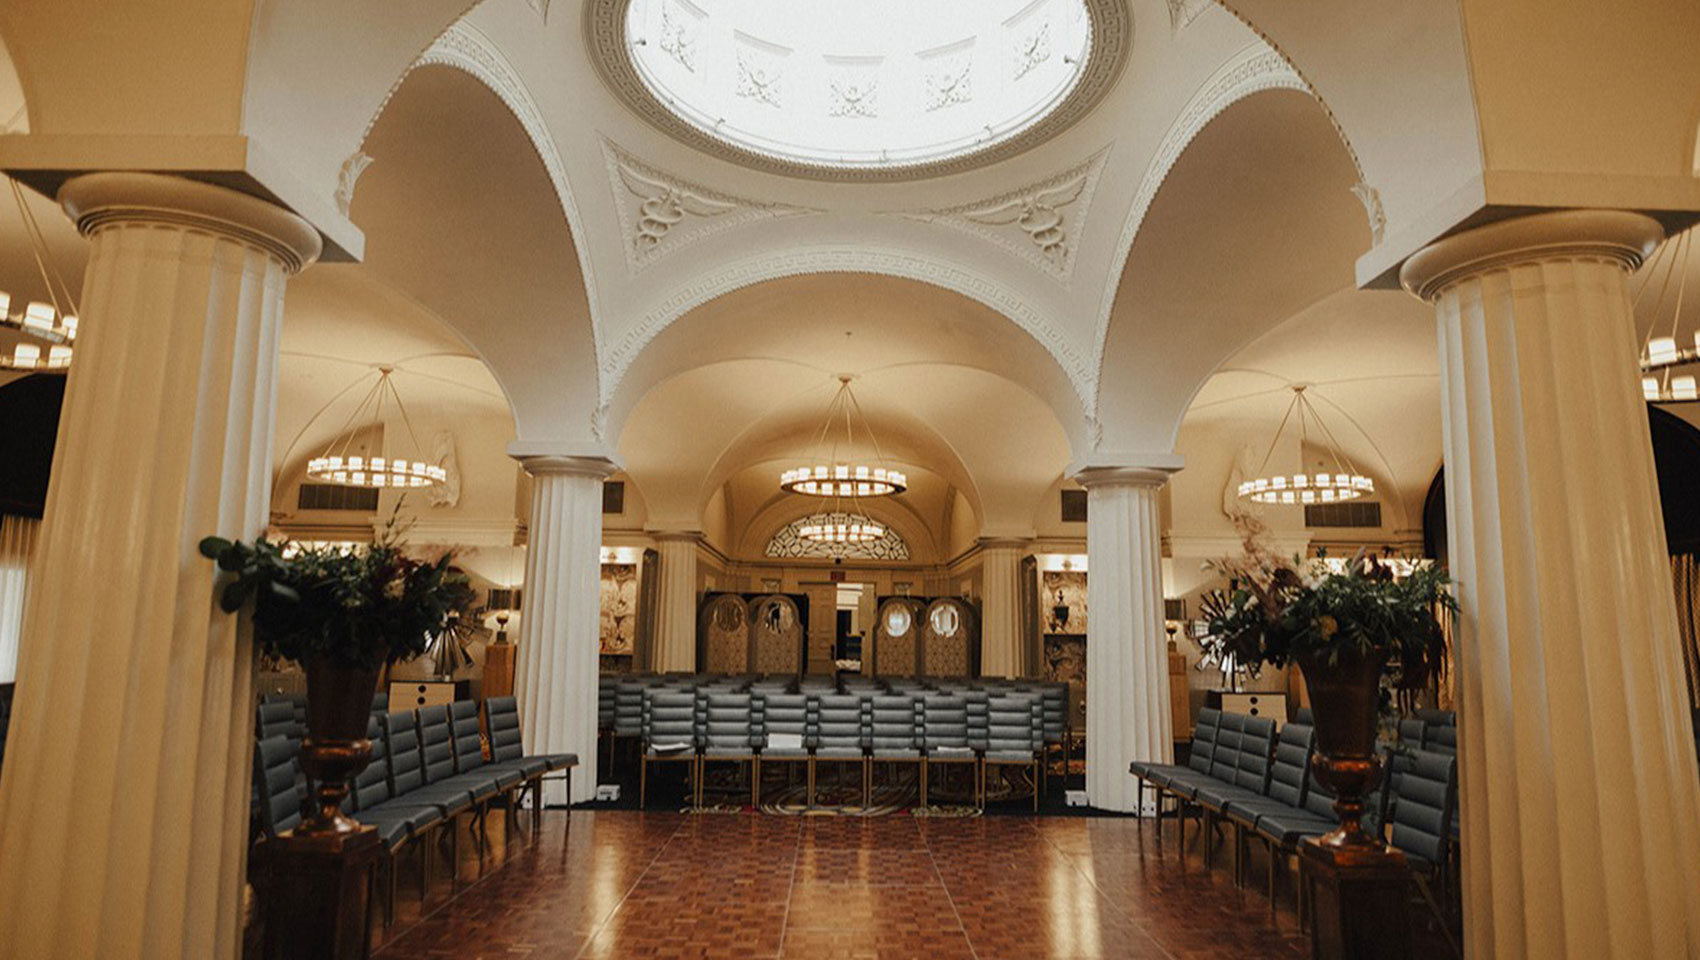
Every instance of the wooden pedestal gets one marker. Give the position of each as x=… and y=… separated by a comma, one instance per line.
x=499, y=670
x=1359, y=902
x=315, y=892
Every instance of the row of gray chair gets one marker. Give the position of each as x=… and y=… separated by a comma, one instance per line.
x=427, y=769
x=1262, y=785
x=984, y=729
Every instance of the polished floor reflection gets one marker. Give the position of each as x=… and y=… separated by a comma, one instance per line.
x=654, y=885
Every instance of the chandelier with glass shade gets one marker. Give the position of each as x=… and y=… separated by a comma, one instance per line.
x=1344, y=483
x=337, y=465
x=43, y=331
x=840, y=479
x=1664, y=352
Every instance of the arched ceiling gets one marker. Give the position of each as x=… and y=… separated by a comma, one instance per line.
x=1255, y=222
x=953, y=392
x=463, y=217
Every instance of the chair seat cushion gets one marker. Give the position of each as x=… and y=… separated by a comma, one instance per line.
x=527, y=767
x=506, y=777
x=480, y=783
x=838, y=753
x=950, y=754
x=1149, y=771
x=895, y=753
x=446, y=804
x=728, y=753
x=1215, y=796
x=1290, y=828
x=1246, y=811
x=393, y=831
x=1009, y=756
x=784, y=753
x=411, y=817
x=560, y=761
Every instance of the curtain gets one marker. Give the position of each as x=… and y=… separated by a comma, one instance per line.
x=17, y=539
x=1685, y=572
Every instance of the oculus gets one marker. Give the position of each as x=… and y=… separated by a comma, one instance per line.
x=859, y=89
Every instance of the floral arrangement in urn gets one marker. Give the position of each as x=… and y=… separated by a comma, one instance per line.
x=1353, y=631
x=343, y=614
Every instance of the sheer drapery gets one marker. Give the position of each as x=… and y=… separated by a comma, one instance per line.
x=1685, y=572
x=17, y=539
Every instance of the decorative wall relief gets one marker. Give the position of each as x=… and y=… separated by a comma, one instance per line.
x=761, y=70
x=661, y=213
x=1062, y=601
x=853, y=87
x=1184, y=12
x=1371, y=199
x=619, y=608
x=1040, y=223
x=447, y=493
x=346, y=178
x=948, y=73
x=1032, y=48
x=681, y=25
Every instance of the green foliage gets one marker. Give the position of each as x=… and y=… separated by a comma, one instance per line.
x=1287, y=610
x=363, y=607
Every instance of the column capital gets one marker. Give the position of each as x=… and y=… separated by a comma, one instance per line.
x=662, y=536
x=553, y=458
x=1126, y=470
x=97, y=200
x=1614, y=235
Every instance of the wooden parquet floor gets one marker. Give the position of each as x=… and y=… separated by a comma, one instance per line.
x=621, y=884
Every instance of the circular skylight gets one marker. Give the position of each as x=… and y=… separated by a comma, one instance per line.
x=880, y=88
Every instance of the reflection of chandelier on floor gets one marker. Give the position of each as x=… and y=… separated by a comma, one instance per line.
x=841, y=484
x=338, y=466
x=1663, y=352
x=47, y=329
x=1346, y=483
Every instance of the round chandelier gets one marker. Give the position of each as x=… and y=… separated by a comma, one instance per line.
x=1300, y=487
x=336, y=465
x=43, y=331
x=1663, y=353
x=840, y=481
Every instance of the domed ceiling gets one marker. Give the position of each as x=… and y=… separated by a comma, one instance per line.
x=870, y=89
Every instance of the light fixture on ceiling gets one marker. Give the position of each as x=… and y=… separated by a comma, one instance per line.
x=1345, y=483
x=1664, y=351
x=45, y=330
x=839, y=480
x=338, y=466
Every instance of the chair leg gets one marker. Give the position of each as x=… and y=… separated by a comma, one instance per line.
x=426, y=844
x=755, y=783
x=1038, y=783
x=643, y=783
x=923, y=783
x=810, y=805
x=454, y=854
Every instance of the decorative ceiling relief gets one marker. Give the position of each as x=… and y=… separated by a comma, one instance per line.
x=949, y=73
x=347, y=177
x=1032, y=49
x=789, y=543
x=542, y=8
x=681, y=27
x=660, y=213
x=1040, y=223
x=853, y=87
x=761, y=70
x=1371, y=199
x=1183, y=12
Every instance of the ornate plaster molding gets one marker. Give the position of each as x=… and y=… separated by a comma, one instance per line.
x=1041, y=223
x=1183, y=12
x=1371, y=199
x=1112, y=41
x=661, y=213
x=468, y=49
x=617, y=360
x=1253, y=70
x=347, y=177
x=542, y=8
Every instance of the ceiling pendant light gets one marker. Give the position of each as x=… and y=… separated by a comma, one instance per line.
x=1346, y=483
x=1664, y=349
x=338, y=466
x=839, y=480
x=44, y=331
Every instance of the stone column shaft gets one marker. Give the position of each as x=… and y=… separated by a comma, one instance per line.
x=559, y=651
x=1127, y=672
x=124, y=804
x=1001, y=654
x=676, y=611
x=1580, y=797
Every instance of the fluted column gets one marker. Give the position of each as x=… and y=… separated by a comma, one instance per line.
x=124, y=804
x=1000, y=609
x=1127, y=669
x=558, y=664
x=1580, y=797
x=676, y=609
